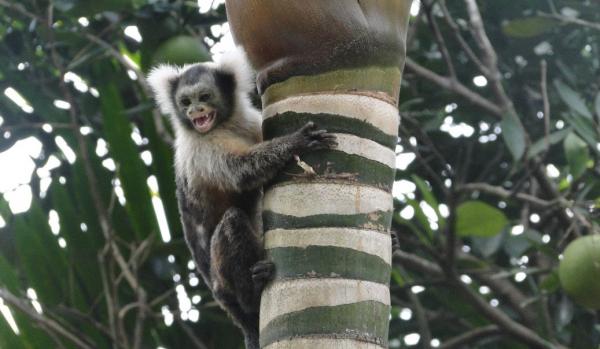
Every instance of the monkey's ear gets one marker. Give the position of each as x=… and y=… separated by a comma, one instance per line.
x=236, y=62
x=162, y=80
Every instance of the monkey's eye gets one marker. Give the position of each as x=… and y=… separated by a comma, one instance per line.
x=204, y=97
x=185, y=101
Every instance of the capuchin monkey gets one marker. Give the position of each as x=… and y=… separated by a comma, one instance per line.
x=221, y=164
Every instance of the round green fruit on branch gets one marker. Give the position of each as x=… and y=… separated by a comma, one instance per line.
x=181, y=50
x=579, y=271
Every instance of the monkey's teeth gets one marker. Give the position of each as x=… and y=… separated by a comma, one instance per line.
x=203, y=122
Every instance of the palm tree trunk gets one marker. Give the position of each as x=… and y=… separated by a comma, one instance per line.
x=339, y=64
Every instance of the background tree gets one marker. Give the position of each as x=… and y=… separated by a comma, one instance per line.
x=497, y=171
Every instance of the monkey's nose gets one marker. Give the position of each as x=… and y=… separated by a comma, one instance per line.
x=195, y=110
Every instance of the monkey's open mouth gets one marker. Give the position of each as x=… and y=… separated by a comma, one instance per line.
x=203, y=121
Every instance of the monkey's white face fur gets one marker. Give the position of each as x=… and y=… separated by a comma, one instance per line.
x=209, y=109
x=200, y=92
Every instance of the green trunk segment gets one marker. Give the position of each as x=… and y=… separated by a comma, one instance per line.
x=353, y=169
x=288, y=122
x=328, y=262
x=372, y=79
x=364, y=321
x=378, y=220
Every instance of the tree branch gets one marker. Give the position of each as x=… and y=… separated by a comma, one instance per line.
x=454, y=86
x=571, y=20
x=505, y=194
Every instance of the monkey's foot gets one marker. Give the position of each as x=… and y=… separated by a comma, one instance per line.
x=395, y=242
x=262, y=272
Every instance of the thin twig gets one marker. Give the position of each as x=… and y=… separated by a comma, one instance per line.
x=468, y=338
x=108, y=298
x=439, y=37
x=461, y=40
x=79, y=316
x=46, y=322
x=546, y=111
x=424, y=330
x=190, y=333
x=450, y=231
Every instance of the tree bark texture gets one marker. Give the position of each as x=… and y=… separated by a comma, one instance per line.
x=337, y=63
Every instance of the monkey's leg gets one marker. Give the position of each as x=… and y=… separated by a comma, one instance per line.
x=247, y=322
x=235, y=249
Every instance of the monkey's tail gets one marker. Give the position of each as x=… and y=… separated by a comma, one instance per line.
x=251, y=339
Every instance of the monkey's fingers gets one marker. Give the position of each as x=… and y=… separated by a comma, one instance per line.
x=317, y=133
x=322, y=144
x=327, y=136
x=329, y=140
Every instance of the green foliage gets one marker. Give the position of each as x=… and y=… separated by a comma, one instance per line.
x=572, y=99
x=476, y=218
x=512, y=167
x=75, y=275
x=180, y=50
x=528, y=27
x=130, y=166
x=514, y=135
x=577, y=153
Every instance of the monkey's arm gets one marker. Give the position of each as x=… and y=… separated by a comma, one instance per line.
x=253, y=169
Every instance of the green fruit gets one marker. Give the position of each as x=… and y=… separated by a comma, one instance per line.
x=579, y=271
x=181, y=50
